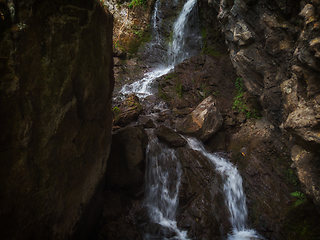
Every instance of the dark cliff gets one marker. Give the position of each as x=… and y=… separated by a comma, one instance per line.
x=56, y=86
x=275, y=48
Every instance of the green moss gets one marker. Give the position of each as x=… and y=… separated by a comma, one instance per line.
x=239, y=102
x=163, y=95
x=135, y=3
x=140, y=39
x=116, y=111
x=179, y=89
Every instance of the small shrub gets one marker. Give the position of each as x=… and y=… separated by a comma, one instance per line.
x=302, y=199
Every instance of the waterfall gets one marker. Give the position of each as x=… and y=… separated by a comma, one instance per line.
x=185, y=39
x=182, y=32
x=162, y=183
x=233, y=190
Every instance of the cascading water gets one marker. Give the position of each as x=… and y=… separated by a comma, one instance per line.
x=163, y=175
x=186, y=40
x=234, y=195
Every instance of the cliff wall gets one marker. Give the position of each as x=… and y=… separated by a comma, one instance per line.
x=275, y=48
x=56, y=84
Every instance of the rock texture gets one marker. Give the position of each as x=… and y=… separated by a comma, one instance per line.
x=274, y=45
x=172, y=138
x=202, y=122
x=127, y=157
x=201, y=198
x=128, y=112
x=56, y=85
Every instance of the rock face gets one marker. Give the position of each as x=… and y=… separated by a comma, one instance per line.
x=172, y=138
x=274, y=45
x=308, y=172
x=128, y=112
x=203, y=122
x=203, y=211
x=56, y=86
x=126, y=161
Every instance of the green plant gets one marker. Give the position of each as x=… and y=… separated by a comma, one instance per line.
x=116, y=111
x=134, y=3
x=300, y=196
x=291, y=177
x=239, y=101
x=179, y=89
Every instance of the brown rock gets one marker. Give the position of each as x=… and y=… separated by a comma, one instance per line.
x=172, y=138
x=308, y=172
x=130, y=110
x=203, y=122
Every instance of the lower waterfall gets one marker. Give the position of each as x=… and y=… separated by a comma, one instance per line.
x=233, y=190
x=162, y=182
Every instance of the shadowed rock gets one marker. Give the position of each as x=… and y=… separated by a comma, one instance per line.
x=172, y=138
x=130, y=110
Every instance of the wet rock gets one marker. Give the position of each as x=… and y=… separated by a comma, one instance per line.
x=217, y=142
x=263, y=158
x=202, y=122
x=157, y=231
x=126, y=161
x=308, y=172
x=203, y=211
x=172, y=138
x=129, y=111
x=149, y=124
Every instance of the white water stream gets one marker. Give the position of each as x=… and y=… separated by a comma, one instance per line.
x=178, y=51
x=163, y=170
x=162, y=183
x=234, y=195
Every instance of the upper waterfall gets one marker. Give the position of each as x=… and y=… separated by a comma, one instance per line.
x=185, y=42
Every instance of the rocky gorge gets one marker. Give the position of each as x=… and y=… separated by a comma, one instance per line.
x=245, y=84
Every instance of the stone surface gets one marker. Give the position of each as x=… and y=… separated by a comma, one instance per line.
x=172, y=138
x=274, y=47
x=56, y=88
x=308, y=172
x=263, y=158
x=129, y=111
x=126, y=162
x=201, y=199
x=202, y=122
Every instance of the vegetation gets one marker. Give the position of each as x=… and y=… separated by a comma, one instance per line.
x=301, y=198
x=292, y=177
x=134, y=3
x=116, y=111
x=239, y=102
x=179, y=89
x=206, y=49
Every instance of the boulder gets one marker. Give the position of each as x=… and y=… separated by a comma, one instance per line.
x=172, y=138
x=308, y=172
x=201, y=198
x=129, y=111
x=126, y=161
x=203, y=122
x=55, y=117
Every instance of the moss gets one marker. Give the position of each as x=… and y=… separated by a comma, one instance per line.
x=302, y=222
x=163, y=95
x=116, y=111
x=139, y=40
x=179, y=89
